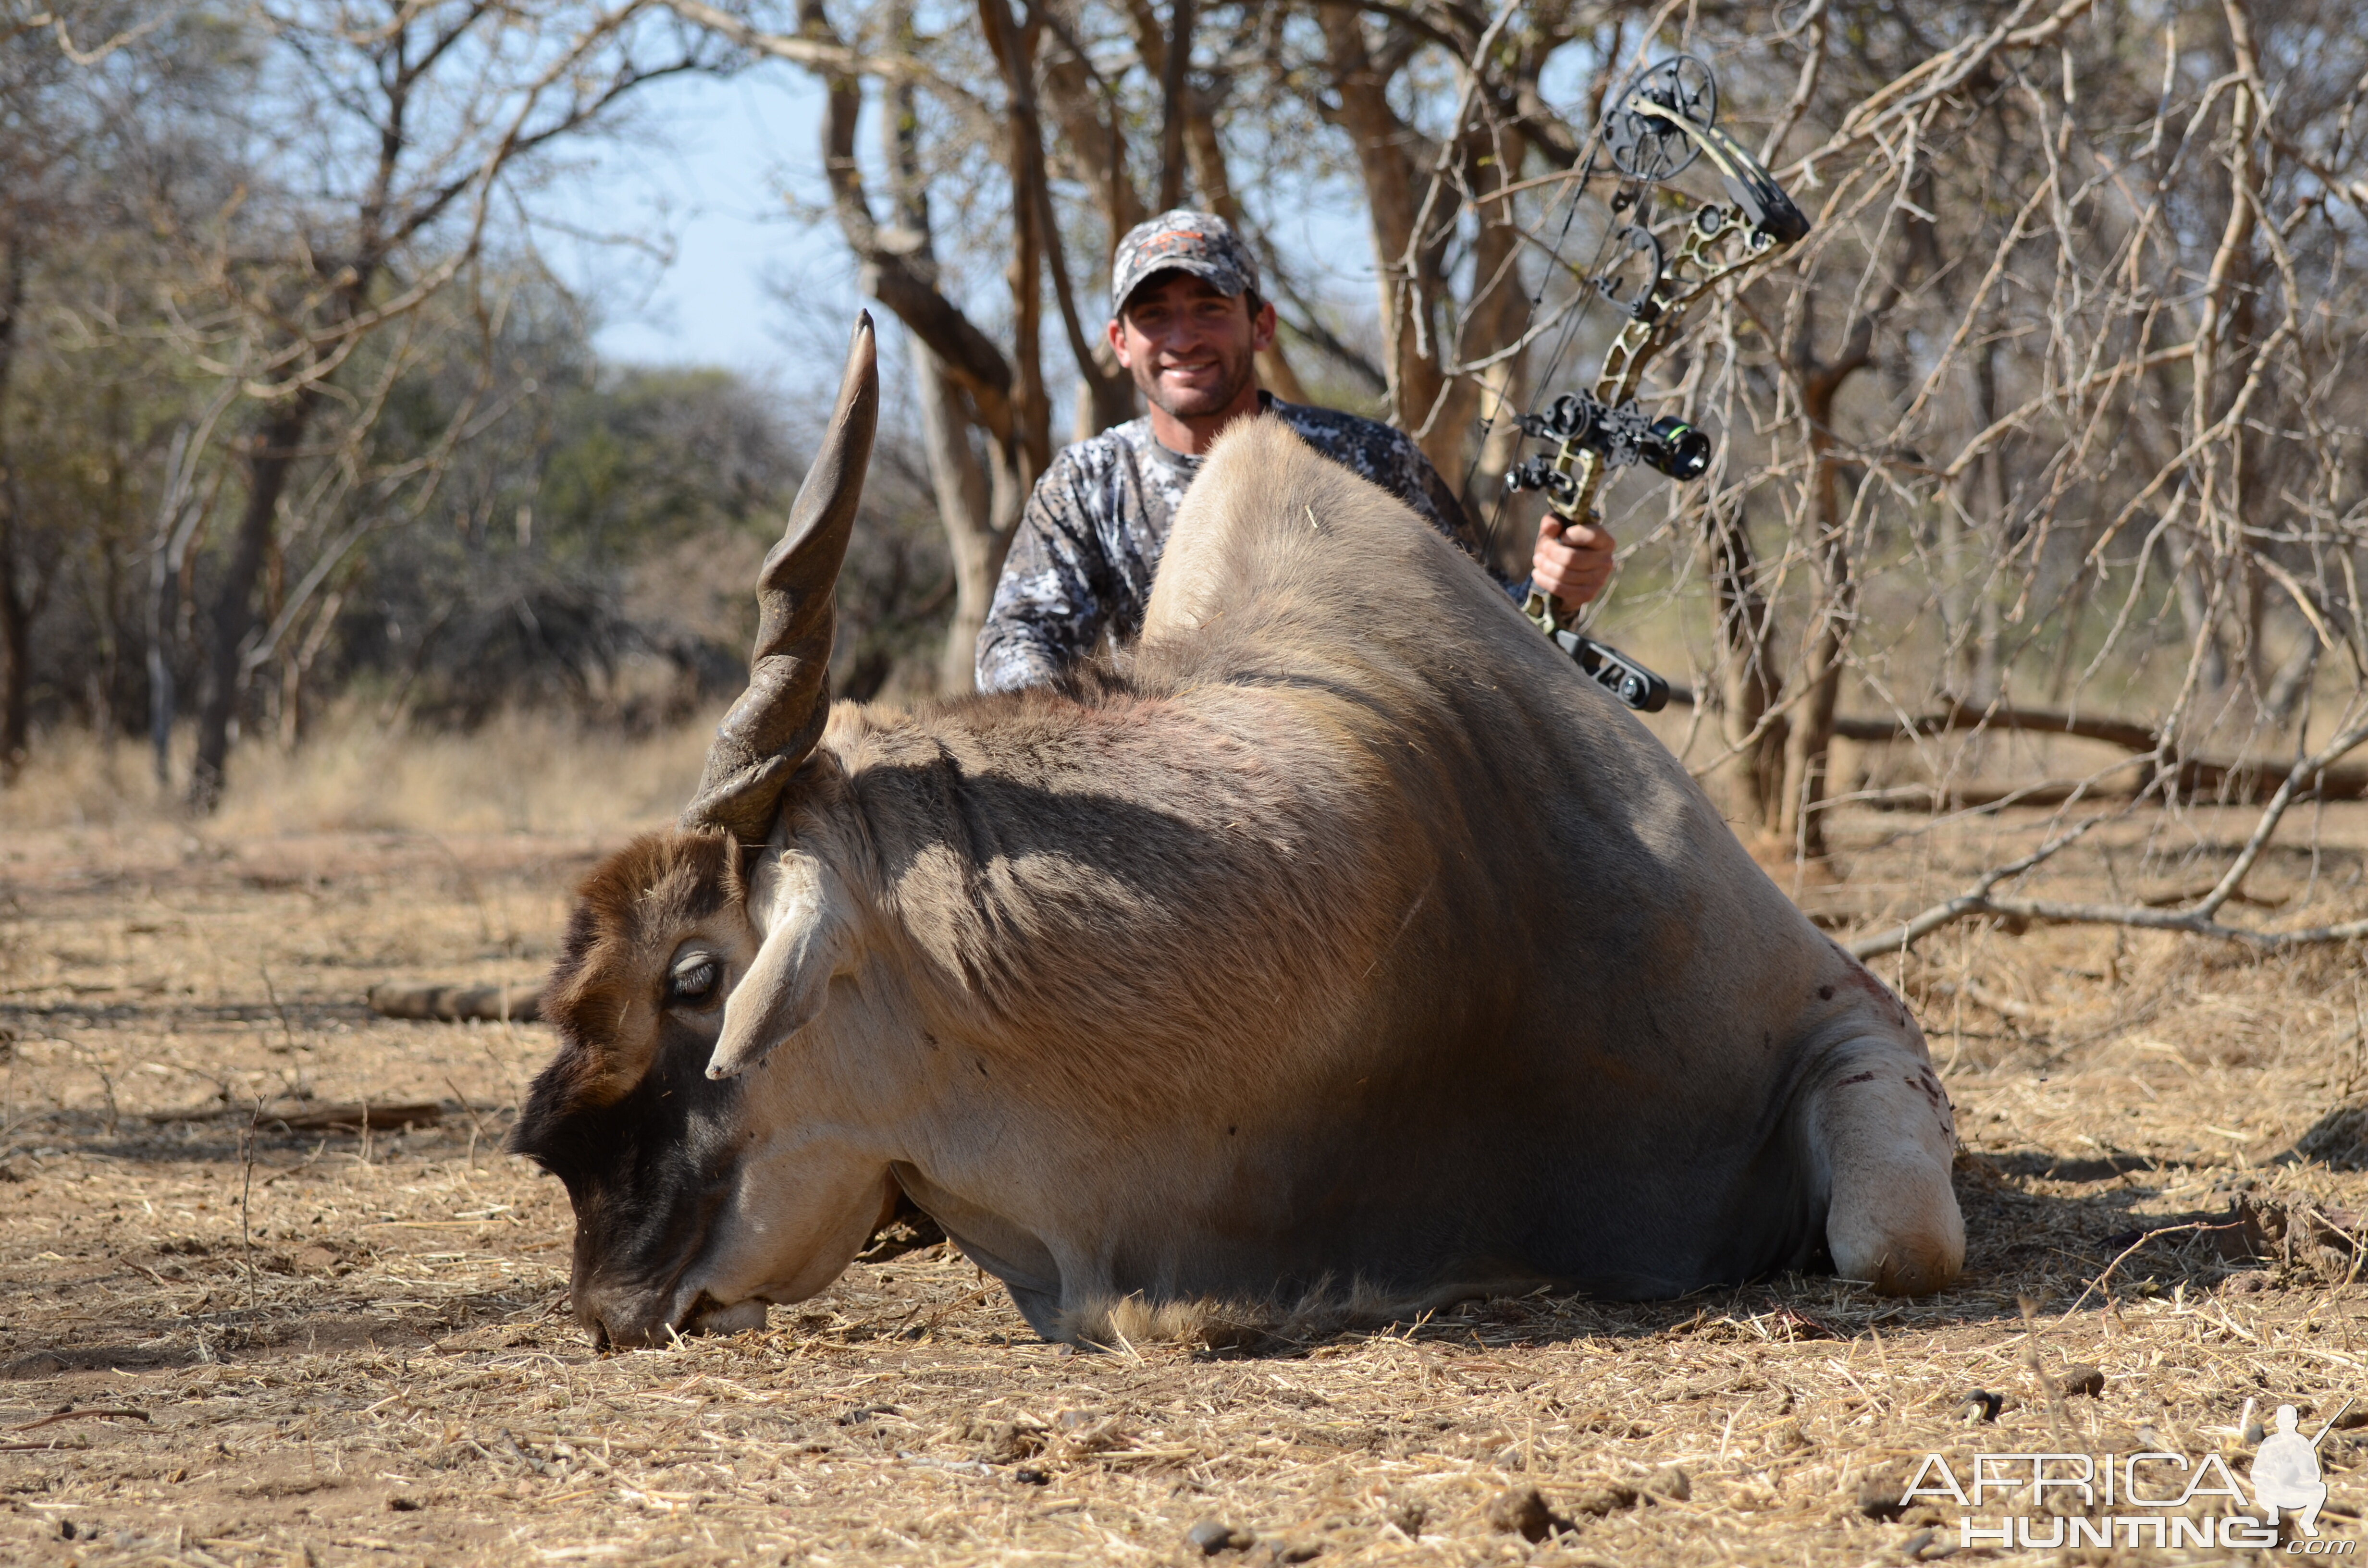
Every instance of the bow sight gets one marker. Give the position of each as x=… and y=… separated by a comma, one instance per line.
x=1654, y=125
x=1618, y=436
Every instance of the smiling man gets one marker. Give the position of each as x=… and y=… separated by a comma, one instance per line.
x=1189, y=323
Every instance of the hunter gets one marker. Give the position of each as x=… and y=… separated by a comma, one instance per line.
x=1189, y=326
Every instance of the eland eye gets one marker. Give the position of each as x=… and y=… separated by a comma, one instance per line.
x=693, y=978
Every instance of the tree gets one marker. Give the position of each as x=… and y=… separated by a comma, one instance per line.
x=416, y=119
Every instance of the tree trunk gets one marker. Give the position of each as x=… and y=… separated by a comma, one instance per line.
x=162, y=581
x=271, y=455
x=1748, y=646
x=16, y=605
x=1014, y=43
x=1174, y=73
x=1090, y=141
x=104, y=596
x=1192, y=119
x=965, y=501
x=1108, y=393
x=2191, y=557
x=1808, y=751
x=178, y=521
x=1215, y=183
x=1498, y=311
x=1008, y=405
x=965, y=511
x=2217, y=480
x=296, y=665
x=1382, y=142
x=1972, y=611
x=1438, y=409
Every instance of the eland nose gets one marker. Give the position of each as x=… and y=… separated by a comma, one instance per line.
x=626, y=1319
x=614, y=1319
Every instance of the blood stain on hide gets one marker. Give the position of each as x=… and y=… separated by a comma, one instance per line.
x=1824, y=993
x=1925, y=1083
x=1863, y=978
x=1861, y=1078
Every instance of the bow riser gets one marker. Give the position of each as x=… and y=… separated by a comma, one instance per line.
x=1645, y=337
x=1662, y=118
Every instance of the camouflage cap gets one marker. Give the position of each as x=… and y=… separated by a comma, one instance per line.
x=1184, y=241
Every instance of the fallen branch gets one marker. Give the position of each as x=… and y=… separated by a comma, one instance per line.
x=2227, y=783
x=1973, y=906
x=2124, y=1257
x=1964, y=716
x=1977, y=900
x=2199, y=783
x=320, y=1119
x=97, y=1412
x=361, y=1118
x=1939, y=800
x=457, y=1003
x=2199, y=920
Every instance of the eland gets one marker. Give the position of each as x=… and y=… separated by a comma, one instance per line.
x=1335, y=948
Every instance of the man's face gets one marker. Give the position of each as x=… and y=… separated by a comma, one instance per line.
x=1189, y=347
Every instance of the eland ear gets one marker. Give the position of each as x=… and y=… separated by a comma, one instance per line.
x=785, y=987
x=777, y=721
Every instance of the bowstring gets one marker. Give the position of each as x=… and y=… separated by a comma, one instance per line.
x=1582, y=171
x=1539, y=387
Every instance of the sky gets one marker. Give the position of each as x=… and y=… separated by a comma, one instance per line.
x=698, y=184
x=723, y=270
x=736, y=261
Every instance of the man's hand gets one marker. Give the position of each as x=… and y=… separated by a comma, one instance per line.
x=1572, y=562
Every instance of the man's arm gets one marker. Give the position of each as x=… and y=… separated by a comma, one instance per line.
x=1571, y=562
x=1053, y=598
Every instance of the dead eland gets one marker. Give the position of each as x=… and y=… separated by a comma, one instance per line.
x=1335, y=949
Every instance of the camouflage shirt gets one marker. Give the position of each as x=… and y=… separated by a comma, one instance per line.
x=1090, y=542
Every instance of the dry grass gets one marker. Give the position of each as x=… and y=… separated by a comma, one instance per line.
x=524, y=773
x=350, y=1346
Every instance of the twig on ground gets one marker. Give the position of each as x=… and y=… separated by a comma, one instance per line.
x=2198, y=919
x=476, y=1122
x=95, y=1412
x=246, y=1193
x=2124, y=1256
x=272, y=992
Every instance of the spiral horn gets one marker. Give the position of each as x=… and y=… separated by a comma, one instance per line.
x=773, y=727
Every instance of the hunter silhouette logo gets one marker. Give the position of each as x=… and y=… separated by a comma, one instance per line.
x=2285, y=1471
x=2142, y=1499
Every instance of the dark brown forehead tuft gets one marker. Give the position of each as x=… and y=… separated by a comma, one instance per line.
x=639, y=896
x=663, y=877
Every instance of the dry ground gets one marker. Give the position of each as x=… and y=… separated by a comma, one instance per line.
x=229, y=1337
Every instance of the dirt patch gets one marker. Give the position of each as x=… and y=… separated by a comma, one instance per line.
x=347, y=1342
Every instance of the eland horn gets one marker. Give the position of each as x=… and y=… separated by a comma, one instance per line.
x=775, y=724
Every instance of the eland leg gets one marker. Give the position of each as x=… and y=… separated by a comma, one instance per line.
x=1886, y=1139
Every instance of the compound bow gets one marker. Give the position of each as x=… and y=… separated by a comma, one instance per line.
x=1654, y=127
